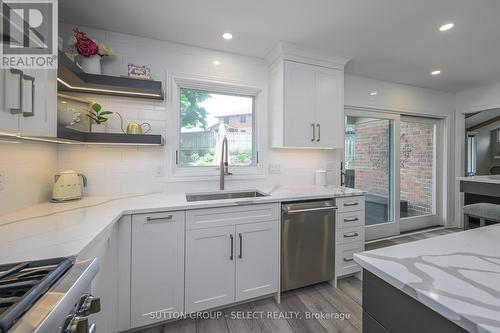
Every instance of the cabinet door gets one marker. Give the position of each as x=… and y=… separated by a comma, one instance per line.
x=257, y=260
x=9, y=98
x=329, y=108
x=299, y=98
x=210, y=268
x=39, y=103
x=157, y=267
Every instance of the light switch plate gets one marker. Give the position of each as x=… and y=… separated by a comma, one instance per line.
x=274, y=168
x=2, y=180
x=158, y=170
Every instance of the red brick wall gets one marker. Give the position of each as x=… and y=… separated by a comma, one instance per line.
x=372, y=162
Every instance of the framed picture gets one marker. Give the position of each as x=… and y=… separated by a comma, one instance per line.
x=139, y=72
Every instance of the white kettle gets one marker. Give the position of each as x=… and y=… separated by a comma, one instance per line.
x=68, y=186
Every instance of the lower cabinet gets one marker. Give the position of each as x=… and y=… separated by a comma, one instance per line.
x=230, y=264
x=256, y=261
x=209, y=268
x=157, y=267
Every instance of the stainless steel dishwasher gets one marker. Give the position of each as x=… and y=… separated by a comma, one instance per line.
x=307, y=243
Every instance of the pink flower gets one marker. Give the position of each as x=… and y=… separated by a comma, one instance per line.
x=84, y=45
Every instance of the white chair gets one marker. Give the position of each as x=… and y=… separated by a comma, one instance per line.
x=483, y=211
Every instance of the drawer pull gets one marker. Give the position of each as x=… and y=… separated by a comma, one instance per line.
x=351, y=219
x=348, y=259
x=348, y=204
x=156, y=219
x=354, y=234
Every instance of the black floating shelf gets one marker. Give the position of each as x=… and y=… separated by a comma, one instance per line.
x=73, y=78
x=109, y=138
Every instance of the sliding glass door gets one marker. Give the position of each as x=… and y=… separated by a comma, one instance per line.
x=419, y=164
x=370, y=165
x=394, y=159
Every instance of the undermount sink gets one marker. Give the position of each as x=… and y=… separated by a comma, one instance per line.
x=224, y=195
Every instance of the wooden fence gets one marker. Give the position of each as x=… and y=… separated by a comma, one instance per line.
x=237, y=141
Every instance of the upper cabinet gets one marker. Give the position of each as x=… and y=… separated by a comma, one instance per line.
x=28, y=105
x=307, y=98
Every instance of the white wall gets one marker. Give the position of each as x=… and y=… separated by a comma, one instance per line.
x=28, y=170
x=124, y=170
x=478, y=99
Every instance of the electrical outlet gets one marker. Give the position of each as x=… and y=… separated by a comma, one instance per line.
x=274, y=168
x=2, y=181
x=330, y=166
x=158, y=170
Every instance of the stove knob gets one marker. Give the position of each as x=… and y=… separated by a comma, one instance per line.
x=78, y=325
x=91, y=305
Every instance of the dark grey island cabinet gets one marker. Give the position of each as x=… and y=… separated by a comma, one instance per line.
x=388, y=309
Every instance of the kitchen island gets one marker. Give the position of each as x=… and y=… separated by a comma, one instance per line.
x=449, y=283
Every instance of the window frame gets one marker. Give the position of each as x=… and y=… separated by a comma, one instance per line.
x=195, y=173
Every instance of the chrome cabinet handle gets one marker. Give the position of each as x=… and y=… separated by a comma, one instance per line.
x=241, y=245
x=347, y=204
x=20, y=109
x=308, y=210
x=351, y=220
x=32, y=79
x=162, y=218
x=232, y=247
x=354, y=234
x=314, y=132
x=319, y=132
x=348, y=259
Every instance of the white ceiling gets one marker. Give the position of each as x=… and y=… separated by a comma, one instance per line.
x=394, y=40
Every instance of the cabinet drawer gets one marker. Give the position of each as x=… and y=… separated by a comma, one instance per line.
x=350, y=204
x=345, y=263
x=350, y=219
x=223, y=216
x=162, y=217
x=350, y=235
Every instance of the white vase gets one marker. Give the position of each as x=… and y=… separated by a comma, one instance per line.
x=91, y=64
x=96, y=128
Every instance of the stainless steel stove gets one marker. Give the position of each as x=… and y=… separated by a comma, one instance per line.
x=48, y=296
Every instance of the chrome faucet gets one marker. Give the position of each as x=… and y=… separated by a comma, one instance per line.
x=224, y=162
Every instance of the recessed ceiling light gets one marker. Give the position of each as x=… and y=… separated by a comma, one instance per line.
x=216, y=62
x=373, y=93
x=446, y=27
x=227, y=35
x=436, y=72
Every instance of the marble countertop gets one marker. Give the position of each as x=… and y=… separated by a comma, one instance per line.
x=456, y=275
x=67, y=229
x=491, y=179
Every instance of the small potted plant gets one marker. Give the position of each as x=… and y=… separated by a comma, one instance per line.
x=90, y=52
x=99, y=118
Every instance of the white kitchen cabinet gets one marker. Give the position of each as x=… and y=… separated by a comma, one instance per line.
x=256, y=268
x=157, y=267
x=209, y=268
x=329, y=110
x=300, y=94
x=307, y=98
x=28, y=102
x=228, y=261
x=9, y=98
